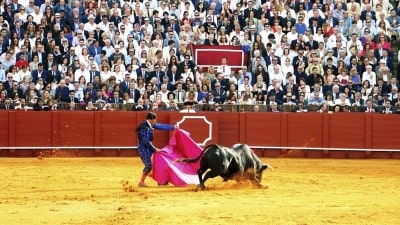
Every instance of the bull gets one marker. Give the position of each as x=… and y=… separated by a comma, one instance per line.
x=236, y=163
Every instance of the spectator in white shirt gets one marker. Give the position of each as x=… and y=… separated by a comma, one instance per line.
x=225, y=69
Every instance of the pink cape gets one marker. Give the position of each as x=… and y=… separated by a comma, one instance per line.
x=166, y=170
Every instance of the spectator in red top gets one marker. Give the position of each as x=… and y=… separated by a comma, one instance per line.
x=186, y=19
x=22, y=62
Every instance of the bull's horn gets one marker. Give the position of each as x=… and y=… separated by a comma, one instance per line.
x=268, y=166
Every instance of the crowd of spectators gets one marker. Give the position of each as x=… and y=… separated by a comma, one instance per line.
x=311, y=55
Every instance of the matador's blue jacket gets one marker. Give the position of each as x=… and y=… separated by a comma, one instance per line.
x=145, y=134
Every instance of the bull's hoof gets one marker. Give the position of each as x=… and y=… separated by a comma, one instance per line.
x=201, y=186
x=260, y=186
x=257, y=185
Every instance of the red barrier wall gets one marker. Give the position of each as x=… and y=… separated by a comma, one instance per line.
x=117, y=129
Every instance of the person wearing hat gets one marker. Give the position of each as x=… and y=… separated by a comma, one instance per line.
x=58, y=19
x=197, y=18
x=146, y=148
x=173, y=23
x=117, y=54
x=188, y=107
x=91, y=25
x=143, y=72
x=237, y=17
x=147, y=27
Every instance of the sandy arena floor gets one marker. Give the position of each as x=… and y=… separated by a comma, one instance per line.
x=299, y=191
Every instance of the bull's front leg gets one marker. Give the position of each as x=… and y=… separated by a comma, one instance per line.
x=209, y=174
x=201, y=181
x=252, y=175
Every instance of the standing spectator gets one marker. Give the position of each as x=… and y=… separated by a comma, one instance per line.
x=225, y=69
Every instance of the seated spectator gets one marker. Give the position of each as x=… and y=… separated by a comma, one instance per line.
x=108, y=107
x=72, y=106
x=140, y=106
x=300, y=108
x=256, y=108
x=260, y=99
x=388, y=108
x=99, y=98
x=369, y=107
x=217, y=107
x=53, y=105
x=188, y=107
x=126, y=99
x=231, y=98
x=22, y=106
x=173, y=106
x=342, y=100
x=274, y=107
x=329, y=99
x=71, y=97
x=7, y=105
x=115, y=99
x=155, y=107
x=219, y=94
x=39, y=106
x=90, y=106
x=191, y=97
x=289, y=99
x=346, y=108
x=316, y=100
x=323, y=108
x=337, y=108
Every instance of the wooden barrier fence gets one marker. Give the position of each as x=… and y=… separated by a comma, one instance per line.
x=111, y=133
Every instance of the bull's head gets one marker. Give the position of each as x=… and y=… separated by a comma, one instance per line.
x=264, y=167
x=260, y=171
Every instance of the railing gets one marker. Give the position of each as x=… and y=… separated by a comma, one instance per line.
x=206, y=107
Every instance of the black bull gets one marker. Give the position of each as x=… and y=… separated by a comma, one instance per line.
x=236, y=163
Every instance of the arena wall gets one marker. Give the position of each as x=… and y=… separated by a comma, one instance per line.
x=112, y=133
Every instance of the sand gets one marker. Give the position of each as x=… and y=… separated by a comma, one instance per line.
x=103, y=191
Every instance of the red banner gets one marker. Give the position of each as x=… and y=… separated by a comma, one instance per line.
x=211, y=55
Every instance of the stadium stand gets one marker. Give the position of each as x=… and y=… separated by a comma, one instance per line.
x=302, y=56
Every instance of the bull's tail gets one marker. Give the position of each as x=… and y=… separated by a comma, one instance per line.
x=192, y=160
